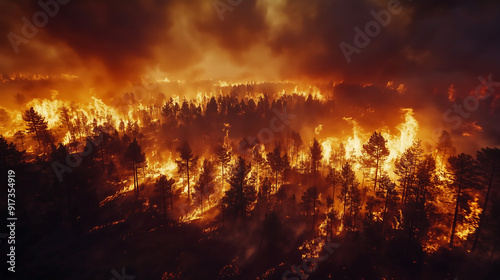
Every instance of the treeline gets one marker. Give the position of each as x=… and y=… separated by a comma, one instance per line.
x=432, y=200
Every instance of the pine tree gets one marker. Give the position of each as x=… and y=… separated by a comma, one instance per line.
x=489, y=170
x=165, y=186
x=286, y=167
x=297, y=143
x=389, y=194
x=354, y=204
x=310, y=201
x=36, y=124
x=347, y=181
x=204, y=184
x=334, y=179
x=259, y=162
x=376, y=150
x=275, y=161
x=337, y=157
x=66, y=120
x=444, y=146
x=19, y=135
x=241, y=194
x=405, y=167
x=9, y=155
x=420, y=199
x=186, y=164
x=223, y=155
x=316, y=154
x=463, y=169
x=135, y=155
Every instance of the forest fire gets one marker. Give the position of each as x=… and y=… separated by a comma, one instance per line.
x=214, y=140
x=197, y=185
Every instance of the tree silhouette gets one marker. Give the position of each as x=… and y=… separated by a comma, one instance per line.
x=354, y=204
x=186, y=163
x=275, y=161
x=316, y=154
x=297, y=143
x=223, y=155
x=286, y=167
x=166, y=187
x=494, y=225
x=489, y=168
x=405, y=167
x=36, y=124
x=241, y=193
x=259, y=162
x=389, y=194
x=347, y=181
x=338, y=156
x=204, y=184
x=376, y=150
x=334, y=179
x=19, y=135
x=310, y=200
x=9, y=155
x=445, y=146
x=66, y=120
x=420, y=196
x=135, y=155
x=463, y=169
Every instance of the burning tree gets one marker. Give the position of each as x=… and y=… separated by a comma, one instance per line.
x=276, y=163
x=333, y=178
x=204, y=184
x=19, y=135
x=297, y=143
x=242, y=193
x=444, y=146
x=259, y=162
x=420, y=195
x=66, y=120
x=310, y=201
x=36, y=124
x=316, y=154
x=135, y=155
x=463, y=169
x=389, y=196
x=348, y=183
x=376, y=150
x=405, y=167
x=489, y=168
x=223, y=155
x=186, y=163
x=166, y=187
x=337, y=158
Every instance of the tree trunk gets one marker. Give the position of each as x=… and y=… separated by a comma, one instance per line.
x=37, y=137
x=314, y=214
x=483, y=214
x=189, y=189
x=343, y=213
x=333, y=197
x=455, y=216
x=385, y=209
x=201, y=199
